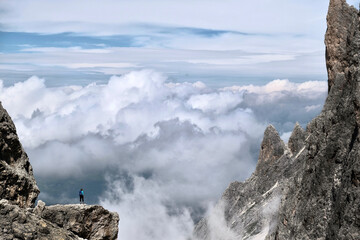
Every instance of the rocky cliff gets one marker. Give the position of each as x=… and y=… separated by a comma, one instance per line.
x=17, y=183
x=18, y=190
x=309, y=189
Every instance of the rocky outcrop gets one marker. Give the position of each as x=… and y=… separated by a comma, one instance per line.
x=19, y=223
x=17, y=183
x=297, y=139
x=18, y=191
x=272, y=147
x=86, y=221
x=317, y=178
x=341, y=40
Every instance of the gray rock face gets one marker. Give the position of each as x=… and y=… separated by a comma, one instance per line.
x=19, y=223
x=341, y=39
x=86, y=221
x=297, y=139
x=250, y=209
x=325, y=204
x=17, y=182
x=272, y=147
x=18, y=192
x=316, y=182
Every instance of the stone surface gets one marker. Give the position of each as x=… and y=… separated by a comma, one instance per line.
x=86, y=221
x=17, y=182
x=342, y=42
x=297, y=139
x=63, y=222
x=18, y=223
x=272, y=147
x=314, y=186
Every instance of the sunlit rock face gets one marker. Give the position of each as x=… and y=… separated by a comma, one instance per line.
x=17, y=182
x=309, y=189
x=18, y=190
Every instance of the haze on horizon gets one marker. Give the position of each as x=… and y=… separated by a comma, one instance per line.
x=155, y=107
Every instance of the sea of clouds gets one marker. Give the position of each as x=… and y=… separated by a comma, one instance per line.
x=157, y=152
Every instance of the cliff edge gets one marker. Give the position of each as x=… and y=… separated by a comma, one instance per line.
x=309, y=189
x=19, y=219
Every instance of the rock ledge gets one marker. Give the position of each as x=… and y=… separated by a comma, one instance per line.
x=18, y=191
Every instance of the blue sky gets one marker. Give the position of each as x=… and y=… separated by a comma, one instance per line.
x=221, y=43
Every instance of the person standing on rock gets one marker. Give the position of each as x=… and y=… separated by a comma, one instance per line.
x=81, y=195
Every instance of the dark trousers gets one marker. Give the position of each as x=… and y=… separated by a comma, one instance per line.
x=82, y=198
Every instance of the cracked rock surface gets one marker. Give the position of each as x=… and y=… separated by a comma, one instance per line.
x=86, y=221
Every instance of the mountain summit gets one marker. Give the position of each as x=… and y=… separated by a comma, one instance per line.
x=309, y=189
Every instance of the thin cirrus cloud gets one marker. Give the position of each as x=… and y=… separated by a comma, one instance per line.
x=160, y=22
x=189, y=40
x=107, y=17
x=198, y=64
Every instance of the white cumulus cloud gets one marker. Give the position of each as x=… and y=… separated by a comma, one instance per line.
x=157, y=152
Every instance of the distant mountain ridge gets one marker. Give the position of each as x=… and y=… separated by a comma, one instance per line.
x=309, y=188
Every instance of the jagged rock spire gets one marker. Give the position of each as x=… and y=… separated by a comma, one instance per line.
x=272, y=147
x=297, y=139
x=342, y=26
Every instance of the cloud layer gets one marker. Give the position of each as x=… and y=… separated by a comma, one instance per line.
x=223, y=67
x=185, y=39
x=110, y=16
x=157, y=152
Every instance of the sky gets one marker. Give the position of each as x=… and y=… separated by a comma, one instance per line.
x=155, y=107
x=223, y=43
